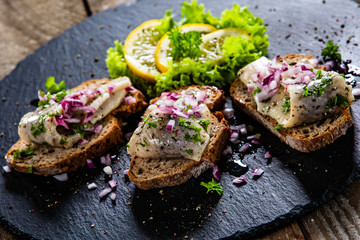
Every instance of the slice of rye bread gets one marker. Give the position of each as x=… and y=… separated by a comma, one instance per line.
x=307, y=138
x=48, y=160
x=162, y=172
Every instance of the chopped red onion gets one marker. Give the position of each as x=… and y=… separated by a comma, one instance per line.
x=356, y=92
x=113, y=196
x=239, y=180
x=268, y=155
x=107, y=170
x=107, y=160
x=228, y=113
x=170, y=125
x=234, y=135
x=130, y=89
x=251, y=137
x=234, y=140
x=200, y=96
x=255, y=141
x=59, y=120
x=126, y=171
x=112, y=183
x=7, y=168
x=234, y=128
x=244, y=147
x=243, y=129
x=92, y=186
x=72, y=120
x=250, y=87
x=129, y=100
x=87, y=118
x=90, y=163
x=228, y=150
x=257, y=172
x=329, y=65
x=128, y=135
x=111, y=88
x=216, y=172
x=98, y=128
x=104, y=192
x=103, y=160
x=62, y=177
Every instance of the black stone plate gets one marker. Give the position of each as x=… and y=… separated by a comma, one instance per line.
x=293, y=183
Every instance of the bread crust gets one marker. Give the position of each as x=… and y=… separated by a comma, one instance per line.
x=181, y=170
x=308, y=138
x=48, y=160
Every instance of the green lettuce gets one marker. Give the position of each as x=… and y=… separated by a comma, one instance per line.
x=237, y=51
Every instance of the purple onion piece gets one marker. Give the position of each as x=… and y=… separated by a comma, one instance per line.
x=268, y=155
x=62, y=177
x=129, y=100
x=7, y=168
x=170, y=125
x=239, y=180
x=257, y=172
x=356, y=92
x=228, y=113
x=255, y=141
x=90, y=163
x=112, y=183
x=107, y=160
x=113, y=196
x=244, y=147
x=126, y=171
x=92, y=186
x=104, y=192
x=216, y=172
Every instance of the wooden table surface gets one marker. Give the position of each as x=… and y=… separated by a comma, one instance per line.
x=26, y=25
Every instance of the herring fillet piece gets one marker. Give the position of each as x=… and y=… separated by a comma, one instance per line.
x=155, y=142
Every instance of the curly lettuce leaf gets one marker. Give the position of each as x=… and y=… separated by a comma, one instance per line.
x=167, y=23
x=117, y=67
x=195, y=13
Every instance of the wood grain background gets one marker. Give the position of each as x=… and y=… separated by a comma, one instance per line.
x=26, y=25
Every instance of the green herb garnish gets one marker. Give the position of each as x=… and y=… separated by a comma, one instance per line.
x=63, y=141
x=142, y=144
x=187, y=124
x=189, y=151
x=330, y=52
x=185, y=44
x=30, y=169
x=53, y=87
x=187, y=108
x=40, y=128
x=256, y=91
x=338, y=100
x=286, y=105
x=278, y=127
x=153, y=123
x=204, y=123
x=318, y=89
x=212, y=186
x=23, y=153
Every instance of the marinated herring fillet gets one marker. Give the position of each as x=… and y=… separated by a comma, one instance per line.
x=85, y=106
x=295, y=95
x=176, y=125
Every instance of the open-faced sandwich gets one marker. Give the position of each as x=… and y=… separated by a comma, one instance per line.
x=71, y=126
x=305, y=106
x=179, y=137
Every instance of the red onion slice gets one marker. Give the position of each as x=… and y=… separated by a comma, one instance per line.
x=111, y=88
x=82, y=141
x=356, y=92
x=216, y=172
x=62, y=177
x=257, y=172
x=251, y=137
x=90, y=163
x=7, y=168
x=170, y=125
x=130, y=89
x=107, y=170
x=112, y=183
x=104, y=192
x=268, y=155
x=239, y=180
x=244, y=147
x=92, y=186
x=107, y=160
x=103, y=160
x=227, y=151
x=255, y=141
x=126, y=171
x=243, y=129
x=129, y=100
x=113, y=196
x=228, y=113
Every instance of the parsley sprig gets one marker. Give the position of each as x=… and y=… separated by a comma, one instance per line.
x=185, y=44
x=23, y=153
x=187, y=124
x=338, y=100
x=212, y=186
x=40, y=128
x=330, y=52
x=286, y=105
x=318, y=89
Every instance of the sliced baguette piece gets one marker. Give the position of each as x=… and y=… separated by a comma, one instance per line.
x=49, y=160
x=162, y=172
x=307, y=138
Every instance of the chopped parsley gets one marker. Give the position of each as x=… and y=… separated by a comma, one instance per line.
x=338, y=100
x=204, y=123
x=53, y=87
x=185, y=44
x=318, y=89
x=187, y=124
x=44, y=103
x=23, y=153
x=189, y=151
x=153, y=123
x=63, y=141
x=256, y=91
x=187, y=108
x=195, y=138
x=30, y=169
x=278, y=127
x=53, y=114
x=286, y=105
x=212, y=186
x=60, y=95
x=330, y=52
x=40, y=128
x=142, y=144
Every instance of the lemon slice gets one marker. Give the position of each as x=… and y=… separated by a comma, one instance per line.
x=139, y=50
x=211, y=47
x=163, y=48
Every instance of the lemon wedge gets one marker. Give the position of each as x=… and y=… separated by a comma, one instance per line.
x=211, y=47
x=163, y=49
x=139, y=50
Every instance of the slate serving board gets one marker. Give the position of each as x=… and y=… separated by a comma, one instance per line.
x=293, y=183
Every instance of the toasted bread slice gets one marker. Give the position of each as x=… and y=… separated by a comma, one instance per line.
x=162, y=172
x=48, y=160
x=307, y=138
